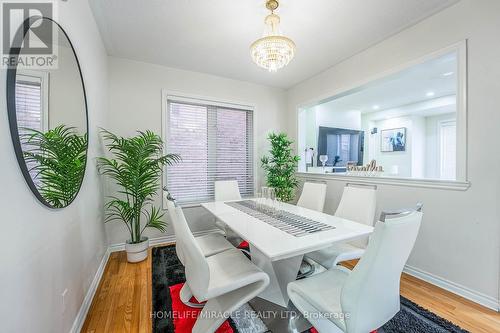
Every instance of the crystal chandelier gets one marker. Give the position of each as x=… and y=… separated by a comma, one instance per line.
x=273, y=51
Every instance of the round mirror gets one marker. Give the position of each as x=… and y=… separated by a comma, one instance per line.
x=47, y=111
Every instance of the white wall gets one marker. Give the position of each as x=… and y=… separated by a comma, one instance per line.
x=135, y=104
x=45, y=251
x=328, y=117
x=459, y=237
x=65, y=93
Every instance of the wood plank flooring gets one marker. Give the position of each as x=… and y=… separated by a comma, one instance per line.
x=123, y=301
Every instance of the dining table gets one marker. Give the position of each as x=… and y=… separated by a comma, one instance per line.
x=281, y=234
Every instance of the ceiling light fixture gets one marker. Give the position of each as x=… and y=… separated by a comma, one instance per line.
x=376, y=107
x=448, y=74
x=273, y=51
x=430, y=94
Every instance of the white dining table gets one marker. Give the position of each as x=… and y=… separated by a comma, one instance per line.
x=279, y=253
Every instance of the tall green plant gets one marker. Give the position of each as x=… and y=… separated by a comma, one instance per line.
x=136, y=169
x=281, y=166
x=57, y=159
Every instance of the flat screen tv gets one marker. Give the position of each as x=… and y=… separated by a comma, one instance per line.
x=341, y=145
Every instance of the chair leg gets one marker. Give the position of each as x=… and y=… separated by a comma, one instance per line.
x=218, y=310
x=186, y=295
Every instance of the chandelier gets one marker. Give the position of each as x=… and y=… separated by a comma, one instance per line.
x=273, y=51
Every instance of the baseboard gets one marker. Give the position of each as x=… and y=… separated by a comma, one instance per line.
x=87, y=301
x=161, y=240
x=467, y=293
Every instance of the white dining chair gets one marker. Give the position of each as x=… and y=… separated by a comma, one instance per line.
x=358, y=204
x=313, y=196
x=227, y=190
x=364, y=299
x=209, y=244
x=224, y=281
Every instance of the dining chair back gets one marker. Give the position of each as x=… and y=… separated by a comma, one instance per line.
x=226, y=190
x=173, y=219
x=196, y=267
x=313, y=196
x=371, y=292
x=358, y=203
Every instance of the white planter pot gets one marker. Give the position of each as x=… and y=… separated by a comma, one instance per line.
x=138, y=251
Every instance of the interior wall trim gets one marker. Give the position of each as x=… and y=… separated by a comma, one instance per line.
x=89, y=296
x=408, y=182
x=455, y=288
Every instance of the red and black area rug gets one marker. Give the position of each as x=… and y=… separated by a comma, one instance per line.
x=170, y=315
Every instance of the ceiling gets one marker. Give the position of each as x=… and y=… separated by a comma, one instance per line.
x=214, y=36
x=430, y=80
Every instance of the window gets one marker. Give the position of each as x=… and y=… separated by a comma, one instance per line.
x=31, y=108
x=29, y=103
x=215, y=142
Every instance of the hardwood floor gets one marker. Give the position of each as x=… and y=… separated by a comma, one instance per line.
x=122, y=302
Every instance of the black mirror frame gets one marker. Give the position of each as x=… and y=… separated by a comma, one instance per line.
x=11, y=109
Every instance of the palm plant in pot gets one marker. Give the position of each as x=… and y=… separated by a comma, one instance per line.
x=136, y=168
x=281, y=166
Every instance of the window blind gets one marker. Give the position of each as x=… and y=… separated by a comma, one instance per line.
x=29, y=104
x=29, y=111
x=215, y=143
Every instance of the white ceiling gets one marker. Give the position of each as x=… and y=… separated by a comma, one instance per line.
x=407, y=87
x=214, y=36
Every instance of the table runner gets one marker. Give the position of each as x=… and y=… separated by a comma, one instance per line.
x=290, y=223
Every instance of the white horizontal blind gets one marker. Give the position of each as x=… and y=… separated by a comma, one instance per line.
x=29, y=104
x=215, y=143
x=29, y=111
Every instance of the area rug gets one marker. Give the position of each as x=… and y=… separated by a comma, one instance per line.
x=412, y=318
x=169, y=315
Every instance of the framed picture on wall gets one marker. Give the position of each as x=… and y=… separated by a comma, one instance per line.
x=393, y=139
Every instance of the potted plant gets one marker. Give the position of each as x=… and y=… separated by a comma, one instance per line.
x=281, y=166
x=136, y=169
x=56, y=160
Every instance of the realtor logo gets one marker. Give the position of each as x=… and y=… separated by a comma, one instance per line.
x=28, y=34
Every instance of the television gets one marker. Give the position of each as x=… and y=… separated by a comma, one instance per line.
x=341, y=145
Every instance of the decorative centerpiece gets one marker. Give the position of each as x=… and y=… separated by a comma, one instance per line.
x=369, y=170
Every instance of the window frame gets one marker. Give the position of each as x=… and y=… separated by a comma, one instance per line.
x=461, y=182
x=168, y=95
